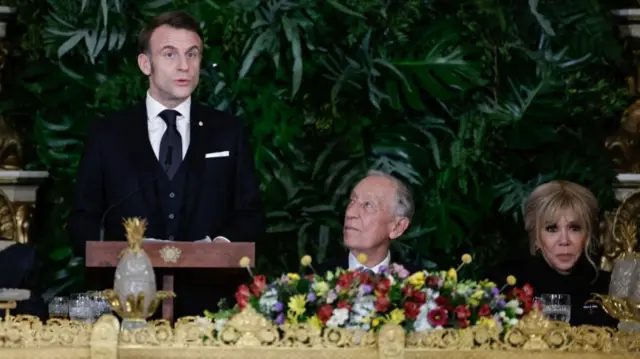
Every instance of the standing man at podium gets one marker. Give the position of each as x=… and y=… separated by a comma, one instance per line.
x=188, y=169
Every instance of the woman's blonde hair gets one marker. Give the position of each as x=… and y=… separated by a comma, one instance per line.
x=546, y=203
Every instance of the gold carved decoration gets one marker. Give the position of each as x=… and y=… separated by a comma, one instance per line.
x=25, y=331
x=249, y=335
x=7, y=218
x=11, y=153
x=622, y=309
x=23, y=216
x=621, y=238
x=135, y=228
x=133, y=307
x=170, y=254
x=625, y=144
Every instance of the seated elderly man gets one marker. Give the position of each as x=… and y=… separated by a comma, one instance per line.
x=17, y=267
x=379, y=211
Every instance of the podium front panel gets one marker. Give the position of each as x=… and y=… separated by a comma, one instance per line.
x=174, y=254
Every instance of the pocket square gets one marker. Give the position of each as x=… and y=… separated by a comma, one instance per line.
x=217, y=154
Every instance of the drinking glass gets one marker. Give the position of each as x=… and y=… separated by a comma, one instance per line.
x=556, y=306
x=59, y=308
x=99, y=304
x=80, y=308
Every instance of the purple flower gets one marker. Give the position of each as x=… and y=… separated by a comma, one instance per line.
x=383, y=269
x=280, y=319
x=278, y=307
x=399, y=270
x=501, y=303
x=311, y=297
x=365, y=289
x=495, y=291
x=331, y=296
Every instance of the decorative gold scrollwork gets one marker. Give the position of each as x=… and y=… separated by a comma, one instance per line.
x=625, y=145
x=7, y=218
x=249, y=333
x=622, y=231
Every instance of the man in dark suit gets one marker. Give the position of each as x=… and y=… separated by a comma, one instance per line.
x=18, y=267
x=188, y=169
x=379, y=211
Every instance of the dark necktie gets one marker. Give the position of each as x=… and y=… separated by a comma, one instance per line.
x=171, y=143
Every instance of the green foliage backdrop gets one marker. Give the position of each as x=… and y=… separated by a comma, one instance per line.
x=471, y=102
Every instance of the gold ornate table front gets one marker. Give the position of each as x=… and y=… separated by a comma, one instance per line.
x=249, y=335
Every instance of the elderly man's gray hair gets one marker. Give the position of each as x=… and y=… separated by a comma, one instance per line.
x=404, y=206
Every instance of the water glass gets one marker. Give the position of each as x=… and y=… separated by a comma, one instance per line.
x=556, y=306
x=99, y=304
x=59, y=308
x=80, y=308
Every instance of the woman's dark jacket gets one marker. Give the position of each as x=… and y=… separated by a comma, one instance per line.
x=580, y=283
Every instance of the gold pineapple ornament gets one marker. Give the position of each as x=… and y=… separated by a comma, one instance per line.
x=134, y=297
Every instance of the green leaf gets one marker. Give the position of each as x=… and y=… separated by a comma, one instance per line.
x=157, y=4
x=70, y=43
x=345, y=9
x=542, y=21
x=105, y=12
x=61, y=253
x=259, y=44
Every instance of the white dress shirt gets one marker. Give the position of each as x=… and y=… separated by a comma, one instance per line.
x=157, y=126
x=354, y=264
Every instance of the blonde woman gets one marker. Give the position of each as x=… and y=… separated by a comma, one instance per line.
x=561, y=219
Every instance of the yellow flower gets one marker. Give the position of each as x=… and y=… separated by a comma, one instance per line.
x=293, y=276
x=321, y=288
x=466, y=258
x=477, y=295
x=297, y=304
x=362, y=258
x=375, y=322
x=486, y=284
x=474, y=302
x=452, y=274
x=306, y=260
x=396, y=316
x=511, y=280
x=416, y=279
x=487, y=321
x=245, y=262
x=316, y=322
x=292, y=317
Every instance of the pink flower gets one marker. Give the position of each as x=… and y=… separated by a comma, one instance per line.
x=399, y=270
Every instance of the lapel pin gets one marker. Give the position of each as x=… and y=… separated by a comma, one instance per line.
x=200, y=123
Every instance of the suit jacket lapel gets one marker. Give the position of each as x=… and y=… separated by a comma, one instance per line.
x=195, y=154
x=146, y=162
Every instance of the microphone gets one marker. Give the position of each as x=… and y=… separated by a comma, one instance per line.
x=167, y=165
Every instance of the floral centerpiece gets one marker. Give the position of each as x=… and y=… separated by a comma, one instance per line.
x=362, y=300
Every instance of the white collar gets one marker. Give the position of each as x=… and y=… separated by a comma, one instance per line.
x=353, y=263
x=154, y=108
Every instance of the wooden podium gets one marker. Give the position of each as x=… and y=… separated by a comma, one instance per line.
x=173, y=255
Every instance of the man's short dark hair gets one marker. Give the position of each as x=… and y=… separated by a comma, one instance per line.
x=175, y=19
